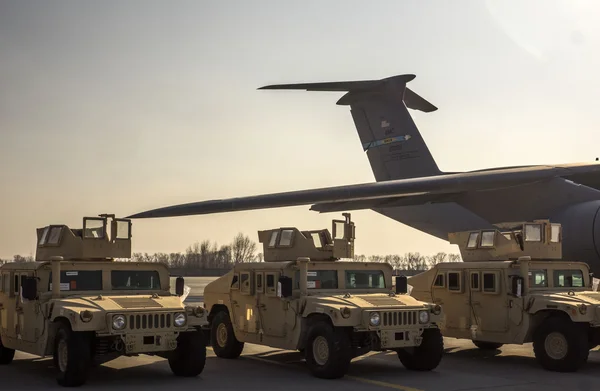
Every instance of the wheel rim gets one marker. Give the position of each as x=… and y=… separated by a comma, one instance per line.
x=222, y=335
x=556, y=345
x=62, y=356
x=320, y=350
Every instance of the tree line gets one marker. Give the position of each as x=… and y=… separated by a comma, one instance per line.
x=211, y=255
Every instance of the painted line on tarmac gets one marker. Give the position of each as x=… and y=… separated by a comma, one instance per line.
x=383, y=384
x=355, y=378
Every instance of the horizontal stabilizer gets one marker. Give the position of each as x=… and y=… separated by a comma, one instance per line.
x=411, y=99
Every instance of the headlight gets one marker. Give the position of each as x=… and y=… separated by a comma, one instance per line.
x=423, y=316
x=179, y=319
x=375, y=319
x=86, y=316
x=118, y=322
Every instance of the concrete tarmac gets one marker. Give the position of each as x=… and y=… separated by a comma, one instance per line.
x=464, y=367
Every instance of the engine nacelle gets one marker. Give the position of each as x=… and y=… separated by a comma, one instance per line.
x=581, y=233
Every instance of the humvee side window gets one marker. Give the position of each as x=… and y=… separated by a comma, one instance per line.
x=568, y=279
x=554, y=233
x=271, y=289
x=273, y=240
x=235, y=281
x=93, y=228
x=245, y=282
x=54, y=237
x=44, y=236
x=78, y=280
x=259, y=282
x=286, y=238
x=533, y=233
x=454, y=281
x=316, y=239
x=489, y=283
x=472, y=243
x=16, y=287
x=538, y=279
x=123, y=228
x=134, y=279
x=475, y=281
x=439, y=281
x=487, y=238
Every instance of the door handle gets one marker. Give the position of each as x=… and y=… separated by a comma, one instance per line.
x=234, y=302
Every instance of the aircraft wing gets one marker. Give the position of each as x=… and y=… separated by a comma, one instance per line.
x=440, y=188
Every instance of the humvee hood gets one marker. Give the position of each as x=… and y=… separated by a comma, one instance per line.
x=368, y=301
x=576, y=297
x=121, y=303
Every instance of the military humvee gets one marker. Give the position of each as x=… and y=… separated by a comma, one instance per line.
x=302, y=297
x=513, y=288
x=76, y=303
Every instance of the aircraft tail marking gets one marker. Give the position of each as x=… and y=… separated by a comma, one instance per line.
x=389, y=136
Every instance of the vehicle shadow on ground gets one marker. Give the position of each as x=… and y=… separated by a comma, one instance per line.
x=499, y=360
x=28, y=374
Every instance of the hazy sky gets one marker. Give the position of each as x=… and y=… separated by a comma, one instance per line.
x=120, y=107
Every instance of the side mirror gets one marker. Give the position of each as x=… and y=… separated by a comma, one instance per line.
x=285, y=286
x=179, y=282
x=401, y=284
x=517, y=286
x=29, y=288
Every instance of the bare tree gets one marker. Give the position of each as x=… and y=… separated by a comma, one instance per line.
x=243, y=248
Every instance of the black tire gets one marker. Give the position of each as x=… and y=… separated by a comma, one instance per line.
x=221, y=328
x=577, y=345
x=339, y=352
x=487, y=345
x=427, y=356
x=6, y=354
x=73, y=371
x=189, y=358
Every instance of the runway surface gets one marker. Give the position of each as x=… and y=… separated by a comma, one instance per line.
x=463, y=367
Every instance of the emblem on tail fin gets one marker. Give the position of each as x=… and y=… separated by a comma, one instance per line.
x=385, y=141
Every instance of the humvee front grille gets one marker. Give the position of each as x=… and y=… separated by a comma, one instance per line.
x=149, y=321
x=400, y=318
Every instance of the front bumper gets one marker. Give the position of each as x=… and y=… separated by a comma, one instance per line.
x=393, y=339
x=155, y=342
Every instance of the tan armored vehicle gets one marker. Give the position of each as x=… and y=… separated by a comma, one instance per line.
x=76, y=303
x=304, y=298
x=513, y=288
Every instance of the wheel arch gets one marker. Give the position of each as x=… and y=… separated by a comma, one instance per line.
x=541, y=316
x=306, y=324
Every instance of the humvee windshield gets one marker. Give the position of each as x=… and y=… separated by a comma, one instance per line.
x=91, y=280
x=355, y=279
x=79, y=280
x=319, y=279
x=569, y=278
x=365, y=279
x=135, y=279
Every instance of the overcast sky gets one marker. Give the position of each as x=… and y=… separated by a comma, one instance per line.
x=123, y=106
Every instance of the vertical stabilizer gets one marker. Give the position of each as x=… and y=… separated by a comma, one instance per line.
x=389, y=136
